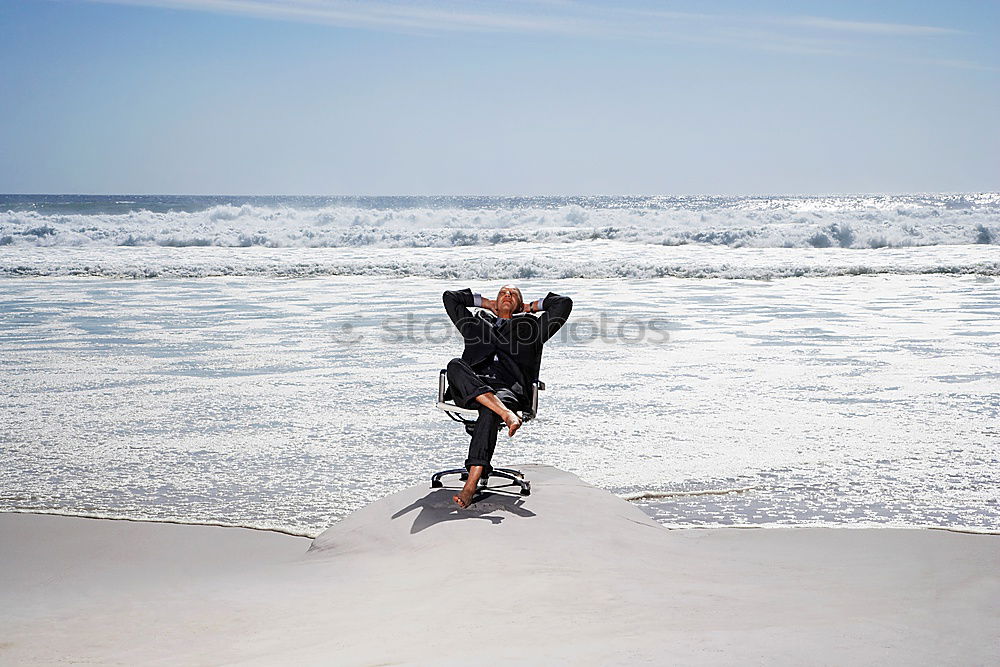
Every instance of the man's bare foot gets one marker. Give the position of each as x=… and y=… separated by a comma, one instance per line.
x=512, y=421
x=464, y=497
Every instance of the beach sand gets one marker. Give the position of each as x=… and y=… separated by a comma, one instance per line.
x=568, y=575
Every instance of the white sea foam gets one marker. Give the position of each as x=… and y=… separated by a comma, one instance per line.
x=861, y=392
x=815, y=401
x=581, y=259
x=851, y=222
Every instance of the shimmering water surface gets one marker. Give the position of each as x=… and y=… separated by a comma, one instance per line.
x=287, y=403
x=272, y=361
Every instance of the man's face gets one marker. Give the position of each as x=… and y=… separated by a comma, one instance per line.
x=509, y=299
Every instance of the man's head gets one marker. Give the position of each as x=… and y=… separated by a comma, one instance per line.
x=509, y=301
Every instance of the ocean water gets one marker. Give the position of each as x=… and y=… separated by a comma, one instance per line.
x=272, y=362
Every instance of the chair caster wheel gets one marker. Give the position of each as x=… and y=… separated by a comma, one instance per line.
x=526, y=489
x=464, y=476
x=436, y=484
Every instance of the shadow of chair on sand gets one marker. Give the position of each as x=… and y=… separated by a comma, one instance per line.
x=488, y=504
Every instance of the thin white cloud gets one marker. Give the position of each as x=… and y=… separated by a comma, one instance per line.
x=514, y=15
x=837, y=25
x=797, y=34
x=386, y=15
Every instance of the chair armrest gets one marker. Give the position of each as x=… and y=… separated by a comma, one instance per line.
x=536, y=386
x=441, y=384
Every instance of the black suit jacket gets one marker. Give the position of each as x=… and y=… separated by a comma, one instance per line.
x=522, y=338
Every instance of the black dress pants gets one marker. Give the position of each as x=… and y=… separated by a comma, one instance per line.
x=466, y=384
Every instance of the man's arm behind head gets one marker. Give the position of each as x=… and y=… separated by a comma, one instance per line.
x=457, y=304
x=556, y=309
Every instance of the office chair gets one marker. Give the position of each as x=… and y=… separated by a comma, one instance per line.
x=468, y=417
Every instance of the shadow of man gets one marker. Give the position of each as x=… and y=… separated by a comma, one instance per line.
x=437, y=506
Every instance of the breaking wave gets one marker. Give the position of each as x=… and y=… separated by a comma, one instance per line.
x=871, y=221
x=582, y=259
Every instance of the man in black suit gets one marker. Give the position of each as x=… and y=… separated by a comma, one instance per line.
x=503, y=352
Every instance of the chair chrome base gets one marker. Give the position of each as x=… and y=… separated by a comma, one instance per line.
x=515, y=476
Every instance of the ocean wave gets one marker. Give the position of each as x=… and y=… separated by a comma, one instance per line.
x=606, y=259
x=874, y=221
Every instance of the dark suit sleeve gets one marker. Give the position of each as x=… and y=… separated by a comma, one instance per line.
x=556, y=311
x=457, y=303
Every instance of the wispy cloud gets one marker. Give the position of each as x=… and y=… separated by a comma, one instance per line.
x=451, y=16
x=837, y=25
x=794, y=34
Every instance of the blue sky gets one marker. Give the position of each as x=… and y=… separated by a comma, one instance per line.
x=504, y=97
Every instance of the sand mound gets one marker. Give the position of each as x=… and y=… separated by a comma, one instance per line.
x=568, y=575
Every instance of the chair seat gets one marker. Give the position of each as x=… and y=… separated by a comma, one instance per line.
x=467, y=414
x=451, y=407
x=525, y=415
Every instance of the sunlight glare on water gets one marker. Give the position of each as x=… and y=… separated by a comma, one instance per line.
x=289, y=403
